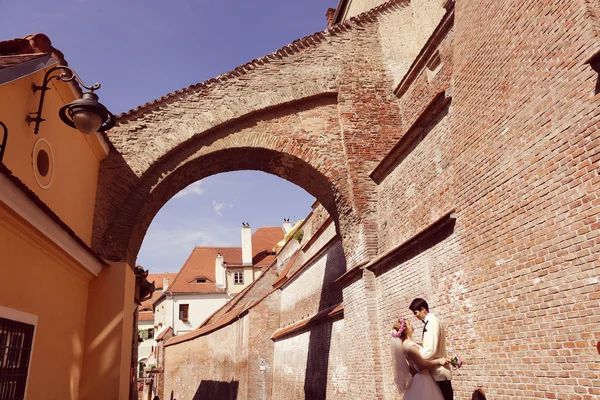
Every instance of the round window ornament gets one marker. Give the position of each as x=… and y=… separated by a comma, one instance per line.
x=43, y=163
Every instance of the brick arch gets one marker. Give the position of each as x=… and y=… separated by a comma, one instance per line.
x=324, y=102
x=300, y=142
x=259, y=159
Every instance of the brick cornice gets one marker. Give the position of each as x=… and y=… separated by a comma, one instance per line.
x=439, y=101
x=448, y=217
x=293, y=48
x=297, y=326
x=427, y=51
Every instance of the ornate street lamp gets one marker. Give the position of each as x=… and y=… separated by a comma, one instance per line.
x=87, y=114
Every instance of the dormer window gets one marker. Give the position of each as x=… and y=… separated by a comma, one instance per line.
x=201, y=279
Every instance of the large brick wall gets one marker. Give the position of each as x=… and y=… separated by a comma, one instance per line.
x=211, y=366
x=527, y=191
x=421, y=268
x=311, y=364
x=468, y=177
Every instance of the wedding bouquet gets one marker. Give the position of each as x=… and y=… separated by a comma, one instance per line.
x=456, y=362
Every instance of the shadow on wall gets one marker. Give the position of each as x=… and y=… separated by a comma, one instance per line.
x=215, y=390
x=317, y=365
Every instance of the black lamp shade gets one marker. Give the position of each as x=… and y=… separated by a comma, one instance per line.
x=87, y=115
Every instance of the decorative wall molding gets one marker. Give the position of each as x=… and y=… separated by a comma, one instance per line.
x=21, y=204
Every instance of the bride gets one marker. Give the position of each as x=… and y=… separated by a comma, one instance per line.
x=406, y=358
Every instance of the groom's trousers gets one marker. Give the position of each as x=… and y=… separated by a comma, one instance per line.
x=446, y=388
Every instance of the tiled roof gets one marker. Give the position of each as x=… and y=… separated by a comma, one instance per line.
x=145, y=316
x=201, y=264
x=158, y=279
x=164, y=333
x=263, y=242
x=295, y=47
x=17, y=51
x=11, y=61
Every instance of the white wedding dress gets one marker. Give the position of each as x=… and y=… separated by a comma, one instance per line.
x=418, y=387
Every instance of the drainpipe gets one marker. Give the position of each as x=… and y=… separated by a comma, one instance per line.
x=172, y=313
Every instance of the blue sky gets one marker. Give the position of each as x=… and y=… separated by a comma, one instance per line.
x=140, y=50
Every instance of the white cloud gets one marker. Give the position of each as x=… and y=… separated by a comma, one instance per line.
x=219, y=206
x=195, y=189
x=167, y=249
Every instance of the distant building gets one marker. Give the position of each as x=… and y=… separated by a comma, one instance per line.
x=146, y=329
x=211, y=276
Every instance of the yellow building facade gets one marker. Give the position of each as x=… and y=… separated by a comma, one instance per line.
x=66, y=315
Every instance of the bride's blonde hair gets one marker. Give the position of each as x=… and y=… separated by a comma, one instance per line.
x=399, y=328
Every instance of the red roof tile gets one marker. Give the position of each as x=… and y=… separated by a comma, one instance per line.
x=164, y=333
x=145, y=316
x=158, y=279
x=201, y=264
x=263, y=242
x=20, y=50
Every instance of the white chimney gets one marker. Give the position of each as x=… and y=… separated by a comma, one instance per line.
x=165, y=284
x=246, y=244
x=219, y=271
x=287, y=226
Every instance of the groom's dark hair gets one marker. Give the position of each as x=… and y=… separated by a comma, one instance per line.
x=417, y=304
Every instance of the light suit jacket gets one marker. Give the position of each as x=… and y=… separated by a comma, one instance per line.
x=434, y=346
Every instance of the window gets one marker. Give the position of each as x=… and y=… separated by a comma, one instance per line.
x=146, y=334
x=238, y=277
x=16, y=339
x=183, y=311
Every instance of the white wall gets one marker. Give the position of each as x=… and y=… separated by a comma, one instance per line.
x=162, y=314
x=145, y=347
x=201, y=306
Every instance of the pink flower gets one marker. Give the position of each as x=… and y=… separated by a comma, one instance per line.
x=456, y=362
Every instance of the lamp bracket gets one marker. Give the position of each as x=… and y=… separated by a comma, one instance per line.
x=66, y=76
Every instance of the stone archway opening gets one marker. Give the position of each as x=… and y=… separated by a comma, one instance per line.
x=273, y=163
x=211, y=211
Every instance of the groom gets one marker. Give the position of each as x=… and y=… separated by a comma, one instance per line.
x=434, y=345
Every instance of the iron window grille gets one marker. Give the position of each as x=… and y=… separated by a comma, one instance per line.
x=16, y=339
